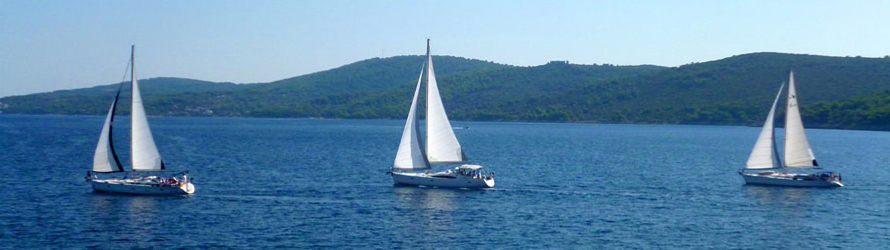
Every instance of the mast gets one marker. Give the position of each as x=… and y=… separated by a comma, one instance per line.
x=429, y=61
x=132, y=106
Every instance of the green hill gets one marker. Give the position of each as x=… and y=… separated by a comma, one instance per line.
x=836, y=92
x=177, y=96
x=480, y=95
x=864, y=112
x=307, y=95
x=374, y=88
x=735, y=90
x=95, y=100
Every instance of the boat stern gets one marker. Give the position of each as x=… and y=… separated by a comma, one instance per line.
x=489, y=182
x=188, y=188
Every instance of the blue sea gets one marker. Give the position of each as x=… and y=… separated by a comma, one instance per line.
x=303, y=183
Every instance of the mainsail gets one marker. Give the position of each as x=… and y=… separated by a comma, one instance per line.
x=144, y=153
x=441, y=145
x=411, y=155
x=797, y=148
x=764, y=155
x=105, y=158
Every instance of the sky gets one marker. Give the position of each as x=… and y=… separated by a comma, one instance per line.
x=54, y=45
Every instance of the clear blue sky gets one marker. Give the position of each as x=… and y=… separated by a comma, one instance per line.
x=53, y=45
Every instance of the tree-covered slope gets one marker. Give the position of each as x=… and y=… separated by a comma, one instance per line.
x=862, y=112
x=735, y=90
x=95, y=100
x=841, y=92
x=295, y=97
x=471, y=95
x=177, y=96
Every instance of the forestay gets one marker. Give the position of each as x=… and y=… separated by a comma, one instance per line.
x=797, y=148
x=764, y=155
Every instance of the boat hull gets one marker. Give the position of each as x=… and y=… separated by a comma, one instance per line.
x=117, y=186
x=789, y=180
x=457, y=181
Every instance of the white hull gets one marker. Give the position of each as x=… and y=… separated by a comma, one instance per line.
x=128, y=187
x=791, y=180
x=452, y=180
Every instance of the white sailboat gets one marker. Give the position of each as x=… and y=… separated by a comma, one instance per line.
x=413, y=159
x=764, y=166
x=148, y=173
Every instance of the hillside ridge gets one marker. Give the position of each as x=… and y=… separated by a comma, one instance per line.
x=734, y=91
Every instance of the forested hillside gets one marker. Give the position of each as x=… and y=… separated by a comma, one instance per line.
x=836, y=92
x=735, y=90
x=864, y=112
x=185, y=97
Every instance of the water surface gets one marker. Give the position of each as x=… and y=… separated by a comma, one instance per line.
x=322, y=183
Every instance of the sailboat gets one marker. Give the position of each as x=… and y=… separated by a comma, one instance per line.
x=414, y=159
x=148, y=174
x=764, y=166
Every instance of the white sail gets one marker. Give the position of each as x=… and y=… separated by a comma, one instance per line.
x=104, y=158
x=441, y=144
x=797, y=148
x=411, y=155
x=764, y=154
x=144, y=153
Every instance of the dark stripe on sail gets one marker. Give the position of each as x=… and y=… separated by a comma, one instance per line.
x=778, y=163
x=117, y=161
x=417, y=123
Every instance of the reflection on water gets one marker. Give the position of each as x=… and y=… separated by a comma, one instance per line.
x=134, y=205
x=143, y=216
x=418, y=198
x=426, y=211
x=785, y=209
x=138, y=214
x=143, y=206
x=781, y=199
x=102, y=203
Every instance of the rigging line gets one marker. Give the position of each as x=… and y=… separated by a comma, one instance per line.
x=126, y=70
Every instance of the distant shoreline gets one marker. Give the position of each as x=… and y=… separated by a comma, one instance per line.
x=458, y=122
